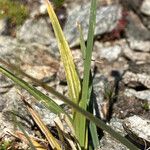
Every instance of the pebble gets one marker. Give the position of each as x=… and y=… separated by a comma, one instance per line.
x=145, y=8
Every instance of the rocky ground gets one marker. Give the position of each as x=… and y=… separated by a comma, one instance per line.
x=121, y=57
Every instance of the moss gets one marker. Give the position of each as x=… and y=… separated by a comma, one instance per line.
x=146, y=106
x=14, y=11
x=4, y=145
x=57, y=3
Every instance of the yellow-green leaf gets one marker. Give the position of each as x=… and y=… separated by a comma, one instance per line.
x=66, y=56
x=51, y=139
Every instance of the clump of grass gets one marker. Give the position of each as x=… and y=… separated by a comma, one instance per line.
x=83, y=122
x=14, y=11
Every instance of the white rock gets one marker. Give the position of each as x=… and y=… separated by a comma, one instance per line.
x=110, y=53
x=43, y=9
x=35, y=31
x=139, y=45
x=143, y=95
x=135, y=55
x=138, y=129
x=145, y=8
x=2, y=25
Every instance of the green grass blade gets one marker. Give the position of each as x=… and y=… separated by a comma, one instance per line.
x=73, y=81
x=87, y=62
x=79, y=119
x=94, y=135
x=45, y=100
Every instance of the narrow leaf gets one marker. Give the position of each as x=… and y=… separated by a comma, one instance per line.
x=82, y=42
x=45, y=100
x=94, y=135
x=81, y=129
x=66, y=56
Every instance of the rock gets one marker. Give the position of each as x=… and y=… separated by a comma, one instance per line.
x=131, y=5
x=107, y=18
x=99, y=83
x=135, y=28
x=28, y=57
x=136, y=55
x=11, y=101
x=143, y=95
x=138, y=130
x=3, y=25
x=7, y=45
x=143, y=46
x=5, y=125
x=34, y=59
x=35, y=30
x=110, y=53
x=38, y=30
x=38, y=8
x=109, y=143
x=139, y=68
x=5, y=85
x=145, y=8
x=38, y=72
x=131, y=78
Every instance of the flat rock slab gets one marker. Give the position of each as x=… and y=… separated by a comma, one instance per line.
x=138, y=130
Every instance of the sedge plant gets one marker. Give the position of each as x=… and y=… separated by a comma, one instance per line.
x=80, y=121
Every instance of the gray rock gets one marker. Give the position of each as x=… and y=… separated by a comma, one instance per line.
x=110, y=53
x=35, y=30
x=3, y=25
x=138, y=129
x=107, y=142
x=135, y=28
x=7, y=45
x=136, y=55
x=145, y=8
x=38, y=30
x=38, y=8
x=139, y=67
x=5, y=125
x=11, y=101
x=99, y=83
x=130, y=77
x=107, y=18
x=28, y=57
x=5, y=85
x=143, y=95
